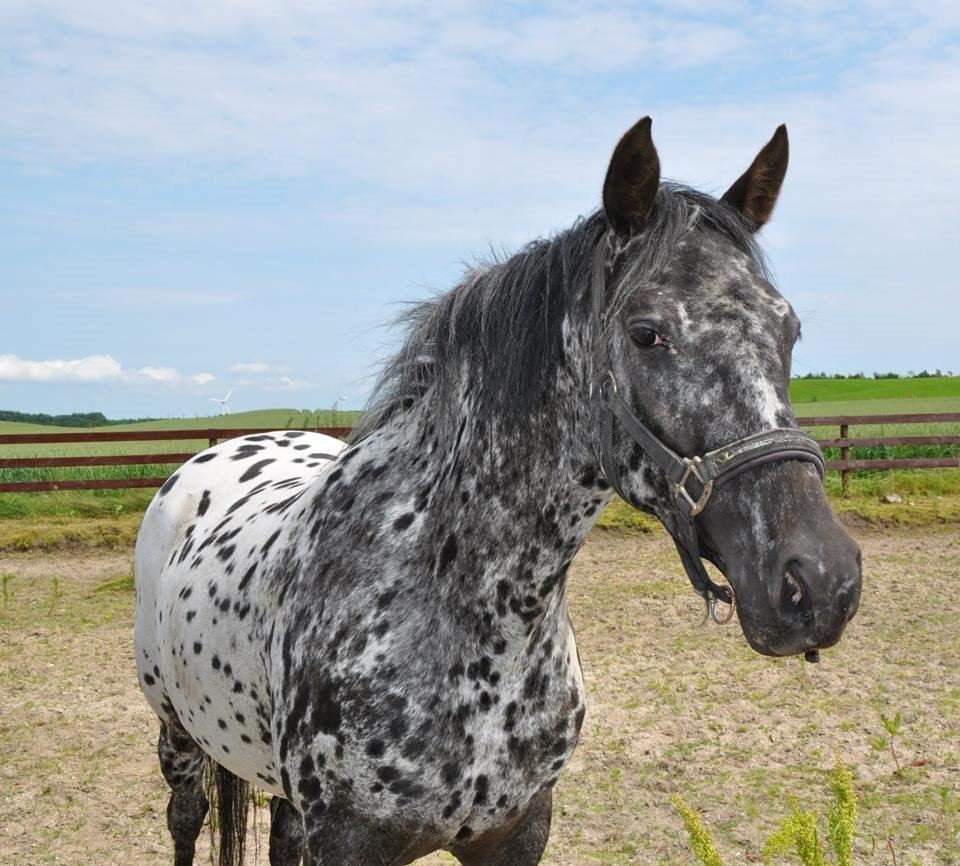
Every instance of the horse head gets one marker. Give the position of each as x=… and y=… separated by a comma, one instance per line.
x=696, y=343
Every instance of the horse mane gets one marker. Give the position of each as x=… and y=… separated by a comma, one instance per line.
x=501, y=325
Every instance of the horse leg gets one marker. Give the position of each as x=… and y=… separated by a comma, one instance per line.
x=286, y=833
x=521, y=845
x=181, y=762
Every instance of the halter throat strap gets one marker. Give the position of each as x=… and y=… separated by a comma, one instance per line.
x=692, y=479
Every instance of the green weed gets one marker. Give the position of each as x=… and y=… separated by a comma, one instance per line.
x=893, y=728
x=797, y=834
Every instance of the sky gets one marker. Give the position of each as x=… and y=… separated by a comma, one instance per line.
x=241, y=194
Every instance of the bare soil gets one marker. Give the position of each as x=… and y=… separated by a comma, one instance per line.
x=672, y=707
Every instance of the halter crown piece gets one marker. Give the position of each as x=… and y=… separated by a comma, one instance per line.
x=707, y=472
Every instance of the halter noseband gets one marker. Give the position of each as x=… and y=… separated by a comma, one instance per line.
x=709, y=471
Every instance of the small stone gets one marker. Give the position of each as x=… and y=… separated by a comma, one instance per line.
x=891, y=498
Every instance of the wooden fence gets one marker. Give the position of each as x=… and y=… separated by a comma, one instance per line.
x=845, y=465
x=212, y=436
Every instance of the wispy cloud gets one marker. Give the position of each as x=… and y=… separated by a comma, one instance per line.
x=253, y=367
x=92, y=369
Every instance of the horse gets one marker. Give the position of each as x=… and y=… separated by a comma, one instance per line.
x=376, y=632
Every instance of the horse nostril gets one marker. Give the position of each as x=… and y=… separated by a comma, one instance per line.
x=794, y=596
x=794, y=589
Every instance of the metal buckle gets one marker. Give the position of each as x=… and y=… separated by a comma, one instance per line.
x=696, y=505
x=712, y=601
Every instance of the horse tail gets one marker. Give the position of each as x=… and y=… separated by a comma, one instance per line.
x=229, y=797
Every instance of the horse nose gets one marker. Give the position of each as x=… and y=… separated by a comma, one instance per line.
x=819, y=586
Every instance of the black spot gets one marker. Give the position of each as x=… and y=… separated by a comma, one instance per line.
x=375, y=748
x=481, y=786
x=204, y=458
x=269, y=543
x=168, y=484
x=149, y=680
x=448, y=554
x=215, y=661
x=403, y=521
x=255, y=470
x=197, y=647
x=450, y=772
x=246, y=577
x=204, y=503
x=388, y=773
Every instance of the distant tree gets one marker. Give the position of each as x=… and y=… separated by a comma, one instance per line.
x=75, y=419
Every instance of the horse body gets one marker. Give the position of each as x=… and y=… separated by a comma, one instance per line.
x=378, y=633
x=368, y=639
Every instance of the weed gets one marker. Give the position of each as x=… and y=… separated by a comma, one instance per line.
x=893, y=728
x=700, y=839
x=56, y=593
x=6, y=580
x=797, y=834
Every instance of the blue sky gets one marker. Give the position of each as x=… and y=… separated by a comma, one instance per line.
x=200, y=197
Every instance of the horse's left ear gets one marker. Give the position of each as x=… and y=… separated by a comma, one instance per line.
x=755, y=192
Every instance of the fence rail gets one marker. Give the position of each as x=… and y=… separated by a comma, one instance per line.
x=845, y=465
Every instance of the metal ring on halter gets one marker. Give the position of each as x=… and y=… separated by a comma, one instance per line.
x=693, y=468
x=711, y=613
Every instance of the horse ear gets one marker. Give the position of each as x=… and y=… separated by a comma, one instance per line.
x=632, y=180
x=755, y=192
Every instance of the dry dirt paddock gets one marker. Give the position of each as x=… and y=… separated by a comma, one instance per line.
x=672, y=707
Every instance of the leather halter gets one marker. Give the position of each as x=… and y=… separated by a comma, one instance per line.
x=708, y=471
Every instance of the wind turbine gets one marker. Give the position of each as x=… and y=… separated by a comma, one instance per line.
x=224, y=405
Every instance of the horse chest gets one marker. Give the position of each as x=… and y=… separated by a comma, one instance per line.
x=448, y=741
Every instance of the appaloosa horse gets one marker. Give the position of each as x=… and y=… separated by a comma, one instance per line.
x=378, y=634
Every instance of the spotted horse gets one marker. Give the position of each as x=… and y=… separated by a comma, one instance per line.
x=377, y=632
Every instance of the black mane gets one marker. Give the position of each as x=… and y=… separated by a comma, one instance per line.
x=503, y=320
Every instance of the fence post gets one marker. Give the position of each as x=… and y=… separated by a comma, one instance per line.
x=844, y=473
x=211, y=441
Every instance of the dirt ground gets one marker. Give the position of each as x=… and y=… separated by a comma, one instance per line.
x=672, y=707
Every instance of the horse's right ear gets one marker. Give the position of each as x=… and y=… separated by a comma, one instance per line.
x=632, y=180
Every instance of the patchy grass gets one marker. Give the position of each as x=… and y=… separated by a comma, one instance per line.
x=864, y=509
x=45, y=534
x=672, y=709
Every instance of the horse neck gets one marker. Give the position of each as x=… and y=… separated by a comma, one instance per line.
x=509, y=503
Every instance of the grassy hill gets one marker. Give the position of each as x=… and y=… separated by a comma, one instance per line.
x=277, y=419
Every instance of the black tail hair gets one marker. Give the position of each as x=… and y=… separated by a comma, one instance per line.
x=229, y=797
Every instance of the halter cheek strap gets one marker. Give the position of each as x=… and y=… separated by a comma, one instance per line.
x=692, y=479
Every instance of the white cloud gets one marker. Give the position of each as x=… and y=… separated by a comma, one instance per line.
x=158, y=374
x=93, y=368
x=87, y=370
x=253, y=368
x=202, y=378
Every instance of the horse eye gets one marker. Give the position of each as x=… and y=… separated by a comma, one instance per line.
x=645, y=336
